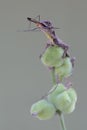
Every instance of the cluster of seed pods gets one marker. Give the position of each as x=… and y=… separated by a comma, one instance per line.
x=60, y=98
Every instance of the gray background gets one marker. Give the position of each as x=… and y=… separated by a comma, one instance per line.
x=23, y=78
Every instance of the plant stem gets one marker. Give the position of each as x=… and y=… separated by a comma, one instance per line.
x=58, y=112
x=62, y=120
x=53, y=76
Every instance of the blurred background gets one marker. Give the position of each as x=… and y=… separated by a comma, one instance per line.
x=23, y=78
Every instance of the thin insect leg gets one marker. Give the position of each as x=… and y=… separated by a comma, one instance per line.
x=33, y=29
x=55, y=28
x=68, y=83
x=65, y=52
x=38, y=16
x=73, y=61
x=47, y=45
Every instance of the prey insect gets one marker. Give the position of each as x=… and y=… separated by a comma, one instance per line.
x=48, y=29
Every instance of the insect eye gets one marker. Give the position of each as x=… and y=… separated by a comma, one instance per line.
x=44, y=25
x=48, y=23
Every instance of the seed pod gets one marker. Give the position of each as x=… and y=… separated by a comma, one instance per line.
x=72, y=94
x=63, y=99
x=70, y=108
x=43, y=110
x=65, y=69
x=52, y=56
x=73, y=97
x=56, y=90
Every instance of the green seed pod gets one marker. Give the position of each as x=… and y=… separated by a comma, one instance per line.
x=52, y=57
x=65, y=69
x=56, y=90
x=72, y=94
x=73, y=97
x=62, y=101
x=70, y=108
x=43, y=110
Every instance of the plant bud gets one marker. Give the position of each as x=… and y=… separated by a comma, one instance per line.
x=52, y=56
x=65, y=69
x=43, y=110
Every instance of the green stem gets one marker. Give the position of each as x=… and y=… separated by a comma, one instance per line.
x=59, y=112
x=62, y=120
x=53, y=76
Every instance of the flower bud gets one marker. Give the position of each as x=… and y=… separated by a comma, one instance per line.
x=43, y=110
x=52, y=56
x=65, y=69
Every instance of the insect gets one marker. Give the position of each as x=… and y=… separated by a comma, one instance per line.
x=48, y=29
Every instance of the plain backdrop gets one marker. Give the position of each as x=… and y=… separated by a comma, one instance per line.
x=23, y=78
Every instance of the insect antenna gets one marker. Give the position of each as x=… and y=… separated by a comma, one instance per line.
x=55, y=28
x=32, y=29
x=37, y=18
